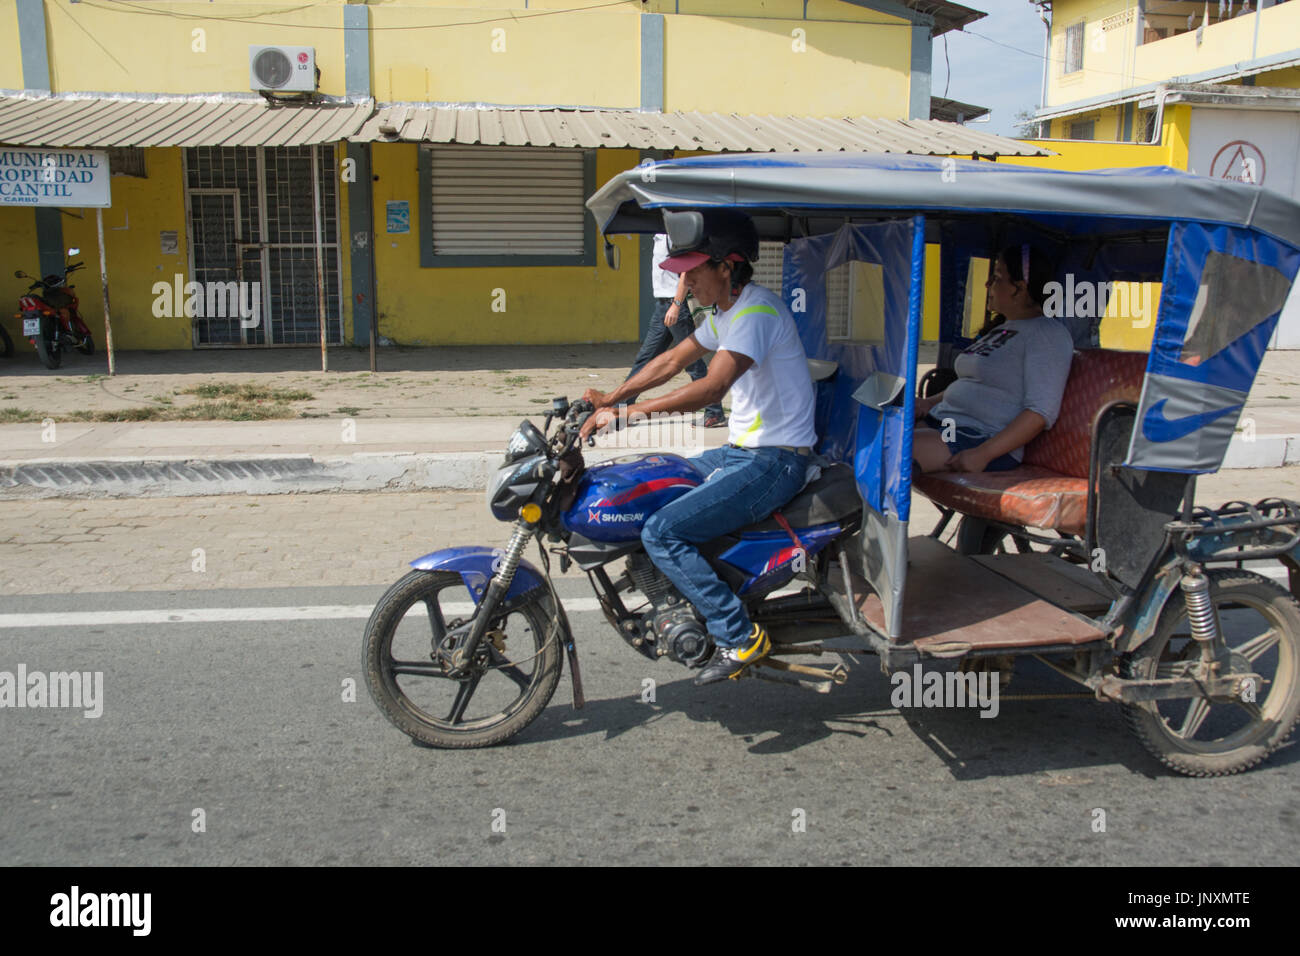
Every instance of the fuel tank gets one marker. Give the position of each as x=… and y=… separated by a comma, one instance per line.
x=616, y=497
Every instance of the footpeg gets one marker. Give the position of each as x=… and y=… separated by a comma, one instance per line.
x=783, y=672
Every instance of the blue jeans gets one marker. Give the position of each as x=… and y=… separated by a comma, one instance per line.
x=748, y=488
x=659, y=338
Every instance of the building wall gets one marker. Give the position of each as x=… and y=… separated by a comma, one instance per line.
x=454, y=306
x=808, y=57
x=832, y=69
x=1113, y=60
x=11, y=61
x=759, y=56
x=141, y=209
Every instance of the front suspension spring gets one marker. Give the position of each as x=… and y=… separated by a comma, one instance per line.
x=514, y=551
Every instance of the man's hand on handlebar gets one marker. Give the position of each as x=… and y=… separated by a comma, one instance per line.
x=597, y=399
x=597, y=422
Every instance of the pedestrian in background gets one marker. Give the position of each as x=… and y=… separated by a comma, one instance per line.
x=672, y=322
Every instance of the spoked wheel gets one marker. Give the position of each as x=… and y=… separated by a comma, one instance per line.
x=1199, y=737
x=6, y=344
x=408, y=643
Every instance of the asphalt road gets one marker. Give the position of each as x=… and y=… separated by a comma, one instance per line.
x=247, y=722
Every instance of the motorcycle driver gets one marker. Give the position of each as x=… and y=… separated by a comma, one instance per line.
x=760, y=359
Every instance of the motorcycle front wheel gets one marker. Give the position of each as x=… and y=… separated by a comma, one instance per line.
x=515, y=671
x=6, y=344
x=47, y=346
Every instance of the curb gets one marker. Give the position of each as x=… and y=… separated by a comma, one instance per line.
x=178, y=477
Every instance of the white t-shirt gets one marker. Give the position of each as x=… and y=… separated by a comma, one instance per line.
x=664, y=282
x=772, y=403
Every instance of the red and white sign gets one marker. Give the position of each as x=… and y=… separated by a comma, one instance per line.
x=1239, y=160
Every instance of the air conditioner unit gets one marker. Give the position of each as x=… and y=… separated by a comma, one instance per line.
x=282, y=69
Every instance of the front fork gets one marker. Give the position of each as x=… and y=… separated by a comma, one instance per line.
x=497, y=589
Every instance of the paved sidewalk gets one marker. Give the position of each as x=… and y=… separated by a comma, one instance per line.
x=438, y=419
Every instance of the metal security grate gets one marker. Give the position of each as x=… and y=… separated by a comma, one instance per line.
x=767, y=270
x=251, y=211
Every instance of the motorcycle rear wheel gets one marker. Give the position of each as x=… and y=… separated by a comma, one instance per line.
x=516, y=673
x=47, y=347
x=6, y=344
x=1199, y=737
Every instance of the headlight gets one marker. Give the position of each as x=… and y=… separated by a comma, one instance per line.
x=526, y=440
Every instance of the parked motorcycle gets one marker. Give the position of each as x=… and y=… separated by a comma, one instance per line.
x=50, y=319
x=452, y=673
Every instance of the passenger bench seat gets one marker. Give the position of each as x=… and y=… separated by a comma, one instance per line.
x=1050, y=489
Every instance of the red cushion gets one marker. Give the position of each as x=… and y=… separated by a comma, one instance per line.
x=1027, y=496
x=1097, y=377
x=1050, y=490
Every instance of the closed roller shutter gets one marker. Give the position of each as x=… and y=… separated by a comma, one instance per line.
x=505, y=201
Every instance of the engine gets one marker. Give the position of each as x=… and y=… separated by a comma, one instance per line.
x=672, y=623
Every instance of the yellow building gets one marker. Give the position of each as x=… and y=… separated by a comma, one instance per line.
x=427, y=159
x=1116, y=66
x=1209, y=87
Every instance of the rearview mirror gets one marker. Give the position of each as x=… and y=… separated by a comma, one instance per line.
x=74, y=251
x=19, y=274
x=613, y=255
x=685, y=230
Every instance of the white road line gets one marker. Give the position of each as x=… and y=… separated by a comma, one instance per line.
x=214, y=615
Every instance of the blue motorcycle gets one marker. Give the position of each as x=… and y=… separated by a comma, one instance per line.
x=455, y=673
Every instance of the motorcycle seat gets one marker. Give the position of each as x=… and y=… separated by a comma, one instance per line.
x=831, y=497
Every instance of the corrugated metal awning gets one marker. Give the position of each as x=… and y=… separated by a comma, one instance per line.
x=99, y=122
x=711, y=132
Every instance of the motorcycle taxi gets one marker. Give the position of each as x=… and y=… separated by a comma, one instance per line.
x=1092, y=557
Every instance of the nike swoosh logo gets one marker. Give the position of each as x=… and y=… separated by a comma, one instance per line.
x=1157, y=428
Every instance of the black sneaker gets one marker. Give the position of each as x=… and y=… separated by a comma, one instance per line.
x=729, y=662
x=715, y=421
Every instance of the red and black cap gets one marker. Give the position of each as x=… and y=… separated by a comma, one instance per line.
x=709, y=234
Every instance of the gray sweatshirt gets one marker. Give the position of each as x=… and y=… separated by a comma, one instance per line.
x=1021, y=365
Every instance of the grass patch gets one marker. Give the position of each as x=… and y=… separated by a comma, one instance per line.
x=517, y=380
x=199, y=411
x=15, y=416
x=248, y=392
x=347, y=409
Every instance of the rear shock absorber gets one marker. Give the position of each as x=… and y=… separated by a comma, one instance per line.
x=1200, y=610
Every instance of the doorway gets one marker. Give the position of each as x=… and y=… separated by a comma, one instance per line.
x=253, y=218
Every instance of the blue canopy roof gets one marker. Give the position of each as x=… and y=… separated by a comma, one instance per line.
x=898, y=185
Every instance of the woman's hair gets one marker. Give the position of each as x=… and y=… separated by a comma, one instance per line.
x=1040, y=271
x=1015, y=258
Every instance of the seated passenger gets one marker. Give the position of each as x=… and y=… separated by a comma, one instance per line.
x=1009, y=380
